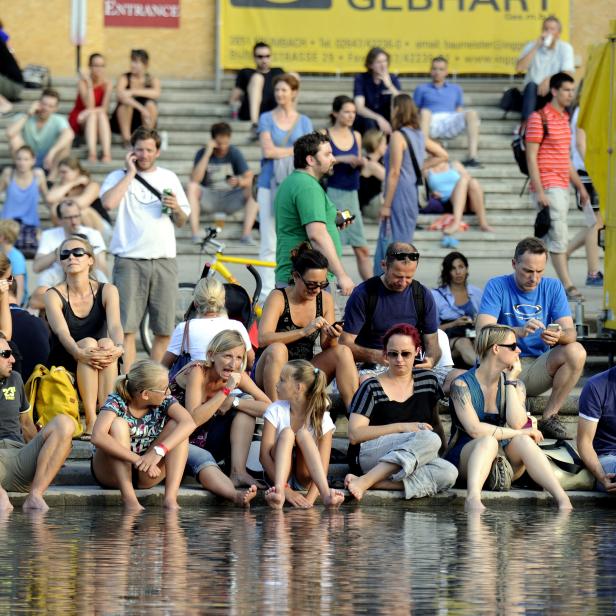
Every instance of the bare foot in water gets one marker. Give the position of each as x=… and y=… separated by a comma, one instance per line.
x=243, y=497
x=244, y=480
x=34, y=502
x=354, y=485
x=5, y=503
x=564, y=504
x=275, y=498
x=474, y=504
x=171, y=504
x=133, y=506
x=335, y=498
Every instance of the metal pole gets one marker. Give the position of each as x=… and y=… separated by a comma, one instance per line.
x=217, y=48
x=78, y=50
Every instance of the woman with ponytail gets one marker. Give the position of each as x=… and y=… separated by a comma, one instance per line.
x=299, y=417
x=141, y=436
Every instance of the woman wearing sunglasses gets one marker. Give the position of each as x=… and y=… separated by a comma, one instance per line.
x=395, y=431
x=292, y=320
x=86, y=332
x=489, y=421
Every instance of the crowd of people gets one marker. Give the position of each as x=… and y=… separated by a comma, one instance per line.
x=399, y=348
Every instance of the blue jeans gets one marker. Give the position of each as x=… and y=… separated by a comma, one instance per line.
x=422, y=472
x=198, y=459
x=531, y=100
x=609, y=466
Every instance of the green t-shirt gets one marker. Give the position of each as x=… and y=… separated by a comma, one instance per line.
x=299, y=201
x=43, y=139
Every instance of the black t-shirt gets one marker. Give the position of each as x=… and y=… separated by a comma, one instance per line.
x=31, y=336
x=268, y=102
x=13, y=402
x=8, y=65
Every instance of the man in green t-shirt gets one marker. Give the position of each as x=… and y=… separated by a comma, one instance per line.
x=304, y=212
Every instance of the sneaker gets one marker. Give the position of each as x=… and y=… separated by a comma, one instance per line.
x=472, y=162
x=594, y=280
x=553, y=427
x=247, y=240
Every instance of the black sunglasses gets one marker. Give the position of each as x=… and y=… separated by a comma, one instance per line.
x=313, y=286
x=6, y=354
x=513, y=346
x=394, y=354
x=76, y=252
x=403, y=256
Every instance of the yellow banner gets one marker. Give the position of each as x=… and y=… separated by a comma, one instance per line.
x=331, y=36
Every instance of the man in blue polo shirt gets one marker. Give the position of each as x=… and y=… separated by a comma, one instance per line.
x=441, y=107
x=536, y=308
x=394, y=296
x=596, y=435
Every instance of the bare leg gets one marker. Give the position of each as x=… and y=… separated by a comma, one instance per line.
x=89, y=130
x=107, y=376
x=338, y=361
x=425, y=117
x=364, y=261
x=242, y=430
x=588, y=238
x=5, y=104
x=193, y=193
x=565, y=363
x=465, y=349
x=312, y=459
x=523, y=451
x=159, y=346
x=57, y=434
x=130, y=350
x=269, y=368
x=88, y=384
x=283, y=455
x=214, y=480
x=125, y=118
x=452, y=375
x=104, y=135
x=458, y=202
x=559, y=261
x=175, y=463
x=153, y=111
x=475, y=464
x=15, y=142
x=477, y=204
x=254, y=92
x=250, y=214
x=357, y=486
x=117, y=473
x=65, y=152
x=472, y=129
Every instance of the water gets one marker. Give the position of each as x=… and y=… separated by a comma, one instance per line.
x=220, y=560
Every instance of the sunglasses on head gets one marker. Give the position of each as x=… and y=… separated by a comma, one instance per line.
x=76, y=252
x=394, y=354
x=6, y=354
x=313, y=286
x=403, y=256
x=513, y=346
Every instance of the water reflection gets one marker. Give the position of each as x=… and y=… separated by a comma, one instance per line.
x=377, y=561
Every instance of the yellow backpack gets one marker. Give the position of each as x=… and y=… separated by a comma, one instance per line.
x=52, y=392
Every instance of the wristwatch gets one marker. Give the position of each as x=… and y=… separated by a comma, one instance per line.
x=159, y=451
x=236, y=402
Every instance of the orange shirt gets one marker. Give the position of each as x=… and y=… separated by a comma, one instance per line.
x=553, y=156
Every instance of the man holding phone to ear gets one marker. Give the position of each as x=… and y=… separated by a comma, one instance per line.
x=536, y=308
x=150, y=201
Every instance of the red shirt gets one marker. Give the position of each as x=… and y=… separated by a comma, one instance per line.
x=553, y=155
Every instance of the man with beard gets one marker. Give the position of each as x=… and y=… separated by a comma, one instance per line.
x=143, y=242
x=304, y=212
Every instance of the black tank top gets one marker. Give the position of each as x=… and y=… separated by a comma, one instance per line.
x=304, y=347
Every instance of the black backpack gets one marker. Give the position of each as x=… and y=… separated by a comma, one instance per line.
x=511, y=101
x=518, y=146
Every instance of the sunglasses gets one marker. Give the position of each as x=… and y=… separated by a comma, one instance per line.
x=395, y=354
x=6, y=354
x=513, y=346
x=76, y=252
x=262, y=56
x=403, y=256
x=313, y=286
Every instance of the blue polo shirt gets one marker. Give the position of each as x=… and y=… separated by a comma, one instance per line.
x=598, y=404
x=439, y=99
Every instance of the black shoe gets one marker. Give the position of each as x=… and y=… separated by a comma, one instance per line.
x=553, y=427
x=472, y=162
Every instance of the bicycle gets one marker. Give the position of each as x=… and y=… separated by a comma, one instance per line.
x=183, y=304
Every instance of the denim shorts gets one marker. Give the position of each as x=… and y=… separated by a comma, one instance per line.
x=198, y=459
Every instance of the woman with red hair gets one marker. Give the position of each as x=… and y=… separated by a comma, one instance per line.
x=395, y=432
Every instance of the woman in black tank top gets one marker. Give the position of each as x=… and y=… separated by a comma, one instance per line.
x=86, y=332
x=293, y=319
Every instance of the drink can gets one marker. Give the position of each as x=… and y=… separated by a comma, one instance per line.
x=167, y=192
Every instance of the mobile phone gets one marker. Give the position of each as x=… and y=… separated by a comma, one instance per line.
x=554, y=327
x=341, y=323
x=420, y=357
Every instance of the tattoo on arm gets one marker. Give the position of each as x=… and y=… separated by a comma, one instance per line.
x=460, y=394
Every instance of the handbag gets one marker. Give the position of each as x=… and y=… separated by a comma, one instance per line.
x=567, y=465
x=283, y=167
x=184, y=357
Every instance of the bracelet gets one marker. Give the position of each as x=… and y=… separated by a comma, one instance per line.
x=226, y=391
x=514, y=383
x=495, y=429
x=164, y=447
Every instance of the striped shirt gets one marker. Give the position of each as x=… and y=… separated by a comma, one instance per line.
x=553, y=156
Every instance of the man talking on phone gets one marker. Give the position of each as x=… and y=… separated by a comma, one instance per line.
x=536, y=308
x=150, y=201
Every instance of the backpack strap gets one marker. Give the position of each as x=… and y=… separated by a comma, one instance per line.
x=419, y=299
x=372, y=286
x=149, y=186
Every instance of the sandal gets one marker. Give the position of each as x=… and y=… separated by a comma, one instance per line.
x=574, y=294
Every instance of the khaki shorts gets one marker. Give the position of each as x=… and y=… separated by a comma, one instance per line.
x=535, y=375
x=18, y=463
x=223, y=201
x=147, y=284
x=558, y=235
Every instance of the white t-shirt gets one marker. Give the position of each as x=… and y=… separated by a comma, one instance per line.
x=141, y=229
x=51, y=239
x=548, y=62
x=200, y=334
x=279, y=415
